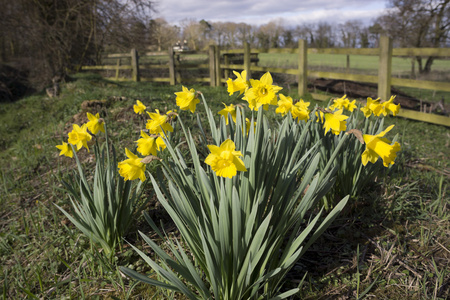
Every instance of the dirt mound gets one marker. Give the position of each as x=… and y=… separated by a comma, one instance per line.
x=363, y=90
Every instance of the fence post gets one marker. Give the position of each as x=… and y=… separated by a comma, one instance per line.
x=212, y=65
x=385, y=68
x=117, y=69
x=171, y=67
x=302, y=68
x=348, y=64
x=135, y=65
x=413, y=67
x=247, y=59
x=217, y=66
x=226, y=62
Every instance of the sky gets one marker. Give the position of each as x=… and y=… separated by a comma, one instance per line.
x=259, y=12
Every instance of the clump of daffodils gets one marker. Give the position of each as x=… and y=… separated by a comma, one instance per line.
x=378, y=108
x=149, y=145
x=257, y=94
x=240, y=193
x=80, y=137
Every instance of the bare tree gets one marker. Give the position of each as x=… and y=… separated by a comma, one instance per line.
x=288, y=38
x=52, y=37
x=163, y=35
x=269, y=35
x=350, y=33
x=218, y=33
x=231, y=34
x=418, y=23
x=324, y=36
x=246, y=34
x=375, y=31
x=192, y=32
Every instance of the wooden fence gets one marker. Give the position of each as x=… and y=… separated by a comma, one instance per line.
x=221, y=62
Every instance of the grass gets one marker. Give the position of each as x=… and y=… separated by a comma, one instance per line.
x=400, y=65
x=393, y=243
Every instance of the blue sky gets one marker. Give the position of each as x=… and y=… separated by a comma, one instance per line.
x=290, y=12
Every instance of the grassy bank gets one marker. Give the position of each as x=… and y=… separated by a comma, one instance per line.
x=393, y=243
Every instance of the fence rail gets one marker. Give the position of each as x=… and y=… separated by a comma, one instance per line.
x=221, y=62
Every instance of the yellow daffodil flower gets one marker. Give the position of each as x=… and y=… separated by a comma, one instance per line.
x=351, y=106
x=300, y=111
x=95, y=124
x=343, y=103
x=377, y=146
x=335, y=121
x=158, y=123
x=187, y=100
x=339, y=103
x=284, y=105
x=389, y=107
x=302, y=104
x=320, y=116
x=262, y=92
x=231, y=109
x=240, y=84
x=372, y=106
x=79, y=136
x=139, y=107
x=224, y=160
x=149, y=145
x=66, y=150
x=132, y=168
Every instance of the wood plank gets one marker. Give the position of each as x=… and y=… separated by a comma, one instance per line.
x=217, y=65
x=281, y=50
x=347, y=51
x=135, y=74
x=275, y=70
x=404, y=113
x=422, y=84
x=232, y=51
x=212, y=65
x=321, y=97
x=117, y=55
x=442, y=52
x=424, y=117
x=156, y=79
x=193, y=66
x=171, y=67
x=302, y=71
x=118, y=79
x=155, y=53
x=344, y=76
x=107, y=67
x=247, y=60
x=385, y=68
x=151, y=67
x=118, y=68
x=203, y=79
x=232, y=67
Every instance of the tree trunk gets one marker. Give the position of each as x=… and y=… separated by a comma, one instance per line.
x=428, y=64
x=419, y=64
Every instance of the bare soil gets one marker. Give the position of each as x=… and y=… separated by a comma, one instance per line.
x=363, y=90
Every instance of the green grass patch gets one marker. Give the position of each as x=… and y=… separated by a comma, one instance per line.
x=392, y=243
x=400, y=65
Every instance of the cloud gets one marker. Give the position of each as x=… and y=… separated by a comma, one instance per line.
x=293, y=12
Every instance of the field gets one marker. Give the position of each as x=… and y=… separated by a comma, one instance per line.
x=392, y=243
x=400, y=65
x=358, y=64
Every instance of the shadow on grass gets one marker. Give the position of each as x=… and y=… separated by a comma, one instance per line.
x=391, y=235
